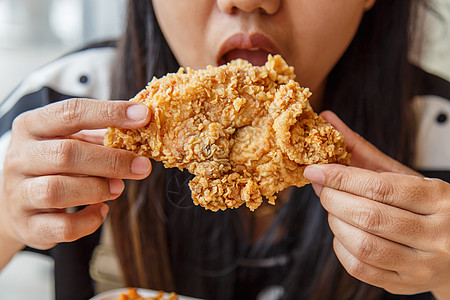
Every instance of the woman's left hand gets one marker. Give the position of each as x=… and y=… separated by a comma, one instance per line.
x=391, y=225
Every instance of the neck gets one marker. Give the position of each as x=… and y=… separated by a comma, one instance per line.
x=316, y=99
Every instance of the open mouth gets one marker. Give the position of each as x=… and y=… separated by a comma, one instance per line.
x=256, y=56
x=252, y=47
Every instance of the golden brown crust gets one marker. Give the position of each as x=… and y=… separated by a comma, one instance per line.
x=246, y=132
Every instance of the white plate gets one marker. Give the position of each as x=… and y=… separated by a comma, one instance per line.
x=114, y=294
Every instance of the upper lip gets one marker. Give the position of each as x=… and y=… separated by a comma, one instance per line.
x=251, y=41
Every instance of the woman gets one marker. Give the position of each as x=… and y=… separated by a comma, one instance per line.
x=389, y=226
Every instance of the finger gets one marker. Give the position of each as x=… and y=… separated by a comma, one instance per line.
x=407, y=192
x=385, y=221
x=70, y=116
x=67, y=156
x=374, y=250
x=49, y=228
x=386, y=279
x=94, y=136
x=47, y=192
x=364, y=154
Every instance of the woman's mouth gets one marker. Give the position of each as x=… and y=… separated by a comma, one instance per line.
x=256, y=57
x=254, y=48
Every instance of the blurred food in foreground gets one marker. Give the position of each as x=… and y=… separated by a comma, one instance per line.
x=133, y=295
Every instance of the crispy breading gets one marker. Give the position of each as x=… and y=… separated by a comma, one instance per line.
x=246, y=132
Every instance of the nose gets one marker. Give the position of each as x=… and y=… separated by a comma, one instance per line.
x=267, y=6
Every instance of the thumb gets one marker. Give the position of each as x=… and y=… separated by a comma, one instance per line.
x=364, y=154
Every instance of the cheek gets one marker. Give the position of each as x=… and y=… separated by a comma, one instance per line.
x=184, y=29
x=323, y=33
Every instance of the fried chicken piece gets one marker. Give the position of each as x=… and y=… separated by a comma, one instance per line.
x=132, y=294
x=245, y=132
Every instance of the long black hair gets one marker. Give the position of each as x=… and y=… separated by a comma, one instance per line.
x=164, y=242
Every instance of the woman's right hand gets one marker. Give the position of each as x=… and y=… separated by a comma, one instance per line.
x=56, y=160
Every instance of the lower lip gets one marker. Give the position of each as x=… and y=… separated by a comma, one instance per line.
x=255, y=57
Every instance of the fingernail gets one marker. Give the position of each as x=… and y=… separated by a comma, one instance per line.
x=116, y=186
x=104, y=211
x=140, y=165
x=137, y=112
x=314, y=174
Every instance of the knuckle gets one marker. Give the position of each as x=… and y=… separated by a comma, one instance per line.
x=110, y=113
x=369, y=218
x=69, y=110
x=337, y=178
x=61, y=152
x=113, y=162
x=379, y=189
x=49, y=192
x=365, y=248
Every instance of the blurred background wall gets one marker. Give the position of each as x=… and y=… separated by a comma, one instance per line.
x=34, y=32
x=436, y=56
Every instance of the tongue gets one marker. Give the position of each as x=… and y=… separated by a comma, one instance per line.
x=255, y=57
